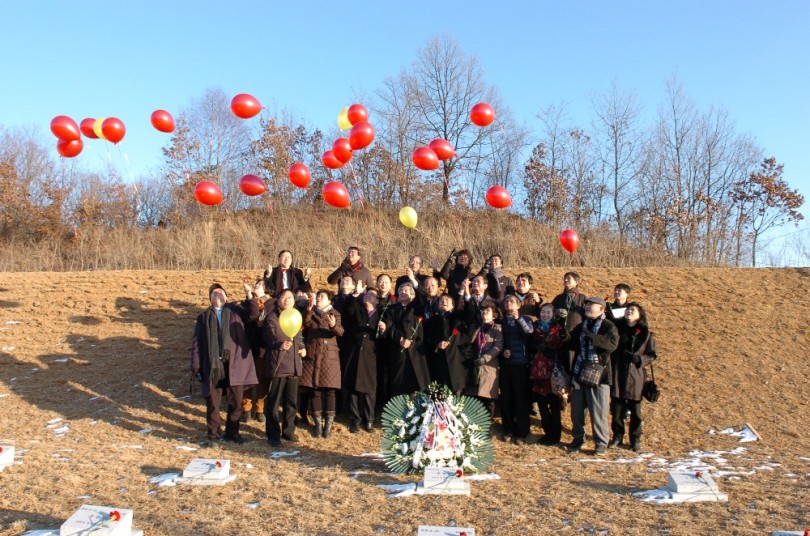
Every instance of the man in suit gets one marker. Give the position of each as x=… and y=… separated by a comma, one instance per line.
x=285, y=276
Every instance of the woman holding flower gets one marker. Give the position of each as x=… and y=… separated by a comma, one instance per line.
x=446, y=345
x=635, y=351
x=403, y=326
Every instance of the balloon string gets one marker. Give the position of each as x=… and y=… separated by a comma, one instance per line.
x=357, y=185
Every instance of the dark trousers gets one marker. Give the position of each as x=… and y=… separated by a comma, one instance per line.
x=361, y=407
x=550, y=415
x=618, y=406
x=323, y=400
x=515, y=399
x=282, y=403
x=213, y=420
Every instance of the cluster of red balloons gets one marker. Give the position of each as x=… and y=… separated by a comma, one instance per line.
x=69, y=133
x=427, y=158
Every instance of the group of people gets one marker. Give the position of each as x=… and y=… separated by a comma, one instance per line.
x=483, y=336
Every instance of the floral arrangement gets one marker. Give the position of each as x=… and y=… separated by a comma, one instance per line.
x=436, y=429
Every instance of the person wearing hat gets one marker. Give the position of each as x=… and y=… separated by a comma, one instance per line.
x=593, y=340
x=222, y=360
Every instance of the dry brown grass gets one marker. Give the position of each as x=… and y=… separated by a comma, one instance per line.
x=733, y=347
x=318, y=237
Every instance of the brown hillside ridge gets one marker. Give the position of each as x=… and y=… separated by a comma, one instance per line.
x=108, y=353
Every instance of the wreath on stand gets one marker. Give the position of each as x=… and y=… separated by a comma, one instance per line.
x=436, y=429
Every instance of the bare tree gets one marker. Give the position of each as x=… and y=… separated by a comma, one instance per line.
x=619, y=146
x=765, y=200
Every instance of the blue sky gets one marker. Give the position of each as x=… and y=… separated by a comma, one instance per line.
x=101, y=59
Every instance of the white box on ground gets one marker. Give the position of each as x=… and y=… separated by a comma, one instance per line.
x=430, y=530
x=444, y=480
x=6, y=456
x=207, y=469
x=100, y=520
x=694, y=487
x=684, y=482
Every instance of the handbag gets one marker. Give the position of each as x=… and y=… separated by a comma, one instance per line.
x=651, y=392
x=591, y=374
x=560, y=381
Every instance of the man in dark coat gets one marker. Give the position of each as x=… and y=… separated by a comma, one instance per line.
x=412, y=274
x=285, y=276
x=222, y=360
x=592, y=341
x=568, y=308
x=352, y=266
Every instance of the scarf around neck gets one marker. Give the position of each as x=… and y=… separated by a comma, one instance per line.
x=219, y=343
x=587, y=351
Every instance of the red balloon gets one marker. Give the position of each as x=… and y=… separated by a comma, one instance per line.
x=425, y=158
x=252, y=185
x=336, y=194
x=443, y=149
x=330, y=160
x=69, y=149
x=208, y=193
x=163, y=121
x=569, y=240
x=342, y=149
x=482, y=114
x=357, y=113
x=498, y=197
x=113, y=129
x=361, y=135
x=299, y=175
x=65, y=128
x=245, y=106
x=86, y=126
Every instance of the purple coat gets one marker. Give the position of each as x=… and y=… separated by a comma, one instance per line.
x=241, y=370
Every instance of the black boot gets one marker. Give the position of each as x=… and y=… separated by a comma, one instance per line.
x=330, y=419
x=318, y=431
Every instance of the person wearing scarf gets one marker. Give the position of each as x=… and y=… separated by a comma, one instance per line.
x=352, y=266
x=530, y=299
x=568, y=308
x=636, y=350
x=486, y=345
x=592, y=340
x=388, y=299
x=498, y=283
x=321, y=366
x=222, y=360
x=514, y=379
x=547, y=338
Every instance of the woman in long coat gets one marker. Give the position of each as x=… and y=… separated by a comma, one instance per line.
x=360, y=374
x=636, y=350
x=408, y=371
x=284, y=369
x=446, y=341
x=486, y=344
x=321, y=366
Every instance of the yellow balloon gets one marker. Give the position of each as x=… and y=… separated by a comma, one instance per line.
x=343, y=119
x=290, y=322
x=97, y=127
x=408, y=217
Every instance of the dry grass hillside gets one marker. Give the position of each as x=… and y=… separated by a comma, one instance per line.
x=107, y=352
